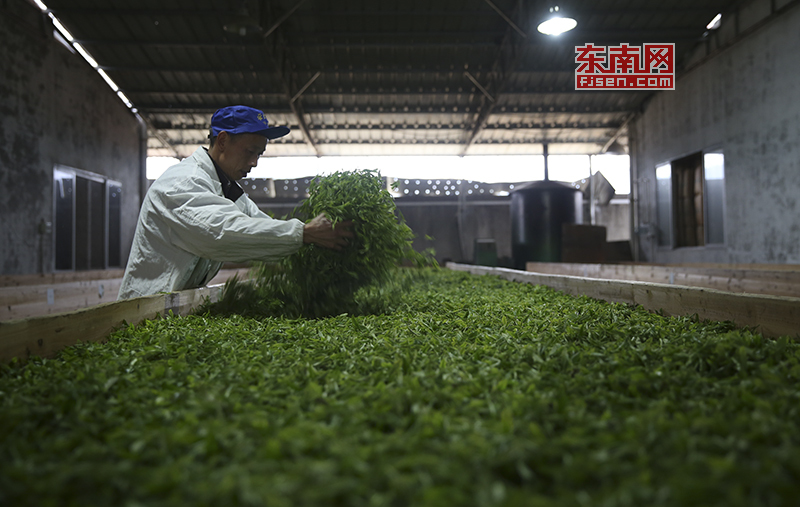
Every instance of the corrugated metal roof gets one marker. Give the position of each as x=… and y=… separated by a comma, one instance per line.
x=365, y=77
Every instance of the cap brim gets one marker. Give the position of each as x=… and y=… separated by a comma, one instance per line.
x=269, y=133
x=273, y=132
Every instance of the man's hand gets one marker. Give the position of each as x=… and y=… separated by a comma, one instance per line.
x=320, y=231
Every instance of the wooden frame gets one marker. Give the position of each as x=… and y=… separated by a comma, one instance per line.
x=27, y=296
x=769, y=279
x=772, y=316
x=45, y=336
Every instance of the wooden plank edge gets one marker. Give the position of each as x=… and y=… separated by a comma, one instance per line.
x=60, y=277
x=775, y=283
x=73, y=296
x=733, y=270
x=772, y=316
x=45, y=336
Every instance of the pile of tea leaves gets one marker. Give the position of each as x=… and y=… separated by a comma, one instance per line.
x=318, y=281
x=475, y=391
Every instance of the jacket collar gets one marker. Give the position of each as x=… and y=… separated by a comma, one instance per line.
x=230, y=188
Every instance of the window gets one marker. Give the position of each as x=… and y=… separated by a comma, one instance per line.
x=113, y=223
x=663, y=198
x=87, y=220
x=64, y=209
x=714, y=166
x=690, y=196
x=688, y=225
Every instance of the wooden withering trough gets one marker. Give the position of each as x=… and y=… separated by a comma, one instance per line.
x=48, y=331
x=771, y=279
x=772, y=315
x=768, y=314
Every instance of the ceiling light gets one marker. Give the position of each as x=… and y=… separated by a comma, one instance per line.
x=124, y=99
x=557, y=23
x=243, y=27
x=64, y=32
x=108, y=80
x=714, y=23
x=244, y=23
x=85, y=54
x=62, y=35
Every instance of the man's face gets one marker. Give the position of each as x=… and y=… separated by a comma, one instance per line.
x=240, y=153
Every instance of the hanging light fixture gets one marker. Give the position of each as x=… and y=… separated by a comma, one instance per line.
x=243, y=23
x=556, y=23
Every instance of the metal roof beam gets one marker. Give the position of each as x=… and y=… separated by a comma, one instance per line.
x=205, y=44
x=369, y=71
x=506, y=19
x=599, y=37
x=183, y=91
x=697, y=8
x=505, y=63
x=405, y=34
x=478, y=13
x=282, y=62
x=537, y=109
x=165, y=125
x=533, y=140
x=602, y=39
x=283, y=18
x=159, y=135
x=675, y=34
x=129, y=12
x=617, y=134
x=364, y=92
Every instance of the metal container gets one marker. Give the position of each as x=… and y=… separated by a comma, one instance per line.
x=485, y=252
x=538, y=211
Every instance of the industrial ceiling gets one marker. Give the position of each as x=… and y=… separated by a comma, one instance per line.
x=367, y=77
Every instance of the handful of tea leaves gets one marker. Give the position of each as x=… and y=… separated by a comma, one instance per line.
x=318, y=281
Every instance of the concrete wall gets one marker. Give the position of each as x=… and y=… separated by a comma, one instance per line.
x=54, y=109
x=741, y=94
x=454, y=241
x=438, y=219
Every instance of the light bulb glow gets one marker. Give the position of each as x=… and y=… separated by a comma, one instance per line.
x=124, y=99
x=85, y=54
x=557, y=25
x=61, y=28
x=108, y=80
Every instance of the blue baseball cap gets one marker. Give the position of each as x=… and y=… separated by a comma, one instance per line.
x=244, y=120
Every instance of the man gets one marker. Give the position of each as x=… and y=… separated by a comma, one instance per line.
x=195, y=216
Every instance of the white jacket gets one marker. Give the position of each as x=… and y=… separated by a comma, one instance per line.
x=187, y=229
